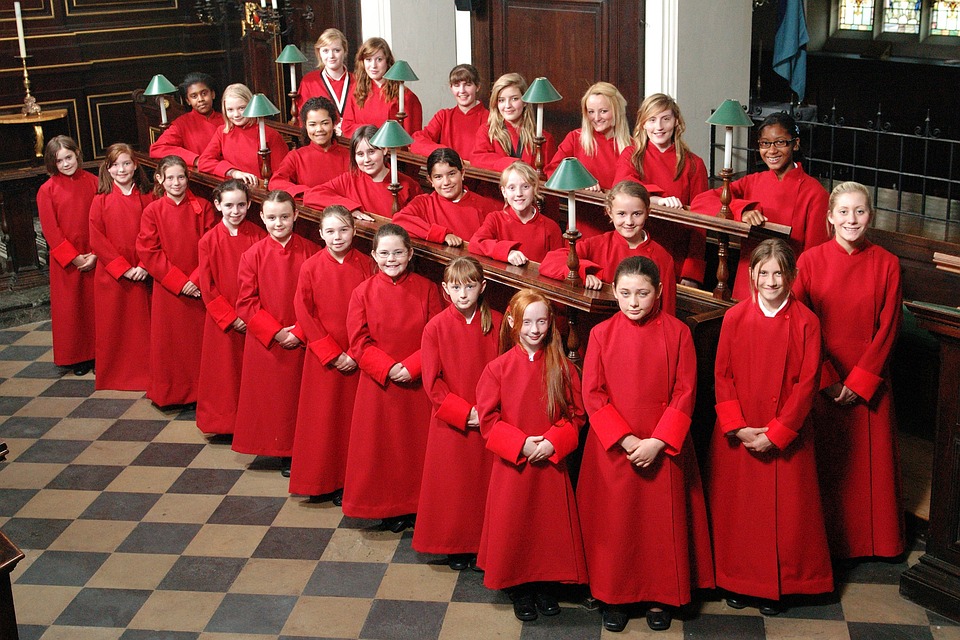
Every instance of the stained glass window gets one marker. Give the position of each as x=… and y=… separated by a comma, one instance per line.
x=856, y=15
x=945, y=18
x=901, y=16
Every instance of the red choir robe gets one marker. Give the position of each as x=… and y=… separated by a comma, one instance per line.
x=798, y=200
x=766, y=516
x=432, y=217
x=238, y=149
x=456, y=469
x=858, y=300
x=685, y=244
x=388, y=436
x=356, y=191
x=502, y=232
x=63, y=203
x=376, y=110
x=310, y=166
x=490, y=155
x=221, y=359
x=640, y=378
x=270, y=382
x=451, y=128
x=601, y=255
x=531, y=530
x=123, y=321
x=188, y=135
x=326, y=396
x=312, y=86
x=168, y=247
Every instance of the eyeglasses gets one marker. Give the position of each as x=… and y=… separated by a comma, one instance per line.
x=779, y=144
x=383, y=255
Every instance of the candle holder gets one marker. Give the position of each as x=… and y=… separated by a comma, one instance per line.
x=392, y=136
x=570, y=176
x=402, y=73
x=260, y=107
x=159, y=86
x=292, y=56
x=30, y=106
x=540, y=93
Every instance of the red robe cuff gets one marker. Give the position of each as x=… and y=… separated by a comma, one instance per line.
x=501, y=250
x=264, y=327
x=730, y=416
x=652, y=188
x=780, y=434
x=326, y=349
x=412, y=363
x=828, y=375
x=222, y=312
x=739, y=206
x=564, y=438
x=863, y=383
x=195, y=275
x=64, y=253
x=672, y=429
x=376, y=363
x=455, y=411
x=437, y=233
x=174, y=281
x=117, y=267
x=507, y=441
x=609, y=426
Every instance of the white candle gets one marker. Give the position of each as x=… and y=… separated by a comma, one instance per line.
x=293, y=79
x=263, y=4
x=163, y=109
x=728, y=149
x=263, y=134
x=401, y=98
x=393, y=166
x=571, y=212
x=273, y=3
x=539, y=120
x=22, y=42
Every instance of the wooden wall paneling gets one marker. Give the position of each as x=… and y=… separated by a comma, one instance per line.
x=310, y=18
x=261, y=46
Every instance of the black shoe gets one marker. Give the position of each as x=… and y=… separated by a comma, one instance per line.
x=337, y=498
x=736, y=602
x=614, y=618
x=524, y=607
x=770, y=607
x=82, y=368
x=459, y=561
x=285, y=467
x=547, y=604
x=398, y=524
x=659, y=620
x=473, y=565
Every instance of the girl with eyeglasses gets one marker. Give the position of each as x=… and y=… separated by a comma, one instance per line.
x=785, y=194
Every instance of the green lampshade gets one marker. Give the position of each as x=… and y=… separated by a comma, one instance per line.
x=730, y=114
x=159, y=86
x=390, y=135
x=570, y=176
x=291, y=55
x=400, y=72
x=260, y=107
x=541, y=92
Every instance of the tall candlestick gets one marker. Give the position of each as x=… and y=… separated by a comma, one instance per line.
x=263, y=134
x=393, y=166
x=539, y=120
x=293, y=79
x=163, y=109
x=728, y=148
x=571, y=212
x=401, y=97
x=20, y=40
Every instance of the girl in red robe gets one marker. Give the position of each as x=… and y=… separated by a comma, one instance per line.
x=375, y=100
x=639, y=385
x=768, y=530
x=364, y=187
x=63, y=202
x=391, y=415
x=330, y=375
x=272, y=357
x=455, y=128
x=784, y=194
x=190, y=133
x=331, y=80
x=457, y=345
x=854, y=288
x=122, y=283
x=603, y=134
x=233, y=150
x=517, y=233
x=320, y=159
x=661, y=161
x=170, y=232
x=531, y=413
x=509, y=132
x=450, y=214
x=221, y=360
x=628, y=206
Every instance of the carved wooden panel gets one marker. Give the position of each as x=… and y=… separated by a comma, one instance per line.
x=112, y=119
x=98, y=7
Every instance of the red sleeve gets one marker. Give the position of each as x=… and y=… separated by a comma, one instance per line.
x=567, y=149
x=487, y=154
x=260, y=323
x=61, y=249
x=316, y=337
x=411, y=104
x=625, y=169
x=866, y=375
x=486, y=241
x=427, y=140
x=606, y=423
x=219, y=308
x=564, y=435
x=107, y=254
x=413, y=218
x=152, y=255
x=554, y=264
x=783, y=429
x=211, y=160
x=729, y=412
x=285, y=176
x=372, y=360
x=503, y=438
x=694, y=264
x=674, y=424
x=171, y=143
x=447, y=407
x=278, y=148
x=334, y=191
x=708, y=202
x=413, y=362
x=348, y=123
